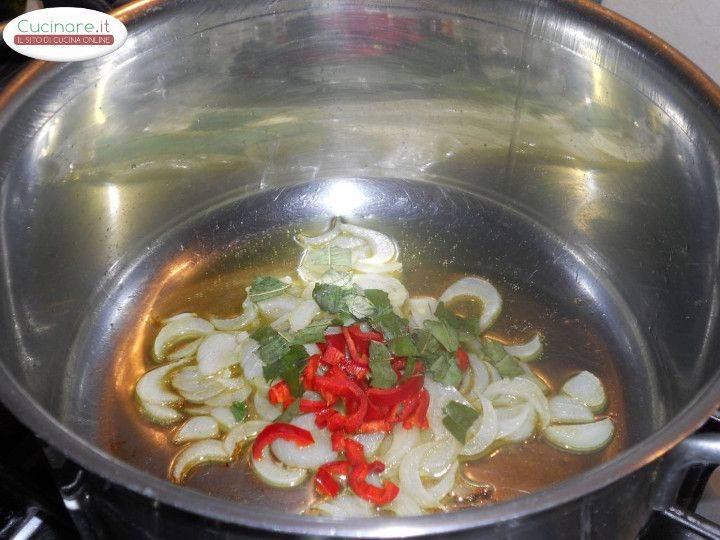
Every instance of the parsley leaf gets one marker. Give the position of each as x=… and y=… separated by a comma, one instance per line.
x=444, y=333
x=409, y=368
x=266, y=287
x=380, y=300
x=404, y=346
x=272, y=345
x=390, y=324
x=458, y=419
x=360, y=307
x=458, y=323
x=289, y=368
x=499, y=357
x=288, y=414
x=239, y=410
x=382, y=373
x=329, y=258
x=332, y=298
x=427, y=346
x=444, y=369
x=312, y=333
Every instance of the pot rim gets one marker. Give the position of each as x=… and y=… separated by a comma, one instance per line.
x=626, y=462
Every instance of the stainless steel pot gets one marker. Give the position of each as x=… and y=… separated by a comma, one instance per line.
x=594, y=144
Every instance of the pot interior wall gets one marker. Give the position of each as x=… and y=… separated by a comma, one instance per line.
x=597, y=168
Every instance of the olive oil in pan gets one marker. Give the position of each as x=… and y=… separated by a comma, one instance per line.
x=213, y=284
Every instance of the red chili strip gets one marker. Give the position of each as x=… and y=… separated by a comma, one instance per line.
x=387, y=397
x=419, y=416
x=364, y=490
x=288, y=432
x=279, y=394
x=463, y=361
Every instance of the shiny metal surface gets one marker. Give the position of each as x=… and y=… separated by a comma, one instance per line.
x=559, y=113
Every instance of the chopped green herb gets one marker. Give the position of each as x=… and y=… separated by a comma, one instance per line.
x=471, y=343
x=335, y=277
x=459, y=419
x=332, y=298
x=266, y=287
x=427, y=346
x=390, y=324
x=330, y=257
x=360, y=307
x=289, y=368
x=272, y=346
x=239, y=410
x=444, y=333
x=382, y=374
x=494, y=350
x=380, y=300
x=458, y=323
x=291, y=412
x=409, y=370
x=444, y=369
x=509, y=367
x=404, y=346
x=264, y=333
x=313, y=333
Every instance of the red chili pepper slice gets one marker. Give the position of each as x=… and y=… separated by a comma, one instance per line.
x=354, y=452
x=326, y=484
x=336, y=340
x=419, y=415
x=279, y=394
x=322, y=417
x=289, y=432
x=324, y=481
x=364, y=490
x=312, y=405
x=387, y=397
x=337, y=438
x=351, y=346
x=463, y=361
x=332, y=356
x=358, y=334
x=310, y=371
x=375, y=426
x=409, y=406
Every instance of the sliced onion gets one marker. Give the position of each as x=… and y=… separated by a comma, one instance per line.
x=249, y=360
x=422, y=308
x=185, y=351
x=440, y=396
x=247, y=317
x=480, y=289
x=524, y=389
x=224, y=417
x=567, y=410
x=194, y=454
x=440, y=458
x=345, y=506
x=193, y=386
x=483, y=431
x=312, y=349
x=241, y=433
x=197, y=428
x=178, y=330
x=533, y=378
x=404, y=506
x=411, y=483
x=265, y=409
x=514, y=422
x=218, y=351
x=275, y=474
x=492, y=370
x=402, y=441
x=387, y=268
x=303, y=315
x=383, y=247
x=228, y=397
x=160, y=414
x=178, y=317
x=526, y=352
x=481, y=375
x=397, y=293
x=276, y=307
x=197, y=410
x=306, y=457
x=587, y=388
x=581, y=438
x=371, y=442
x=321, y=239
x=151, y=387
